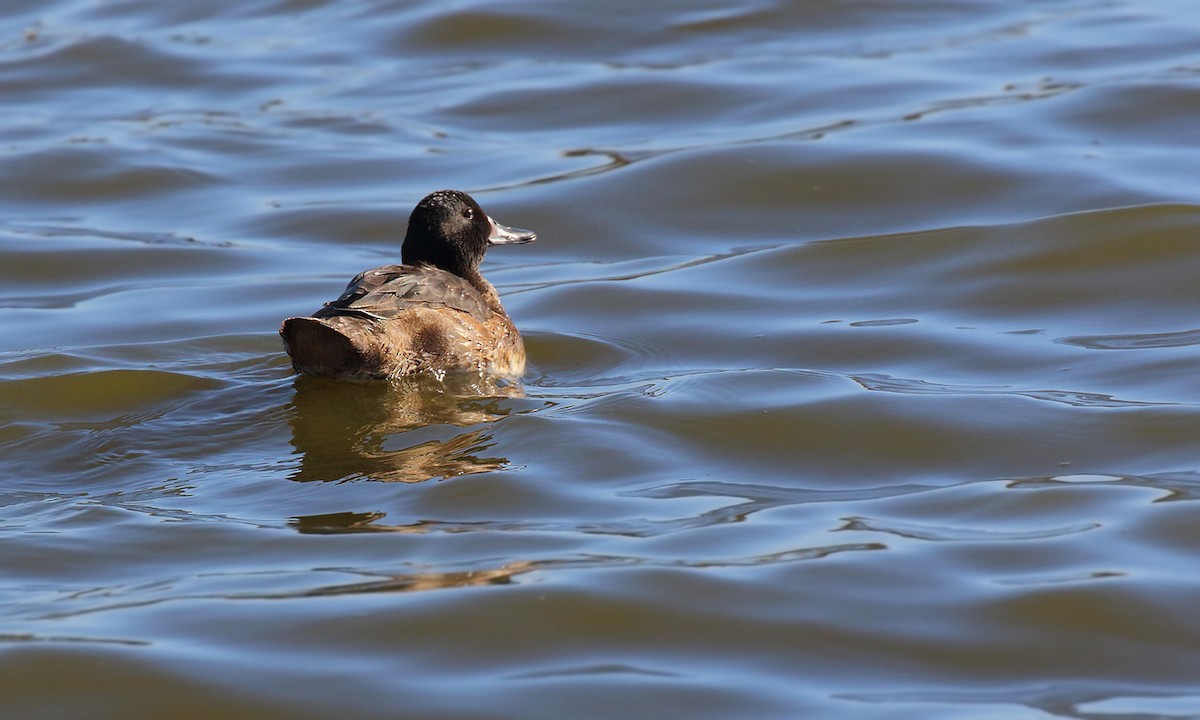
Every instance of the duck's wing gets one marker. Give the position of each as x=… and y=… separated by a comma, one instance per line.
x=385, y=292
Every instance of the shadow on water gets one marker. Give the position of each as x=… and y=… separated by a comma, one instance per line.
x=408, y=430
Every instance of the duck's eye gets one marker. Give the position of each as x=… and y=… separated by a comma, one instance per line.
x=468, y=213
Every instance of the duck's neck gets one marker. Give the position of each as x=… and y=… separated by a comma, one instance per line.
x=485, y=288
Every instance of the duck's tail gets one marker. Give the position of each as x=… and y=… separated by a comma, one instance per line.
x=319, y=348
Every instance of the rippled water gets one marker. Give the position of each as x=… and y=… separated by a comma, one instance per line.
x=863, y=343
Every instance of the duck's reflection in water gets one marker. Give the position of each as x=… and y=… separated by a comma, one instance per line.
x=406, y=430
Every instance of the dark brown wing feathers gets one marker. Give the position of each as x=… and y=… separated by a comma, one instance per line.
x=387, y=291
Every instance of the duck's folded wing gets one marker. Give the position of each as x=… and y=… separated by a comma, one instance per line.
x=387, y=291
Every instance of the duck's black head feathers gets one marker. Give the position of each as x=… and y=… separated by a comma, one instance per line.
x=448, y=230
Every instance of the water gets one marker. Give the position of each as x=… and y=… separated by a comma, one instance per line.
x=862, y=348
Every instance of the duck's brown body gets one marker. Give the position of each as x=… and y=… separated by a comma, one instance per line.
x=435, y=314
x=398, y=320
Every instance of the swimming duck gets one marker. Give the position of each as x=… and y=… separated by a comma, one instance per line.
x=434, y=312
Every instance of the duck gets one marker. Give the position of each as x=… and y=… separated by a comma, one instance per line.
x=434, y=312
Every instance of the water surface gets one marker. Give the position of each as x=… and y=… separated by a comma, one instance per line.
x=862, y=344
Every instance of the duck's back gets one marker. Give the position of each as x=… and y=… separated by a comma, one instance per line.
x=400, y=319
x=386, y=292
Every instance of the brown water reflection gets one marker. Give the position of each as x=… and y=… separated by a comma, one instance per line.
x=408, y=430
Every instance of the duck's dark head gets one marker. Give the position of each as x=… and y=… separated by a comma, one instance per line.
x=449, y=230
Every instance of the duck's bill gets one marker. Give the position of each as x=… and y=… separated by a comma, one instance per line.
x=504, y=235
